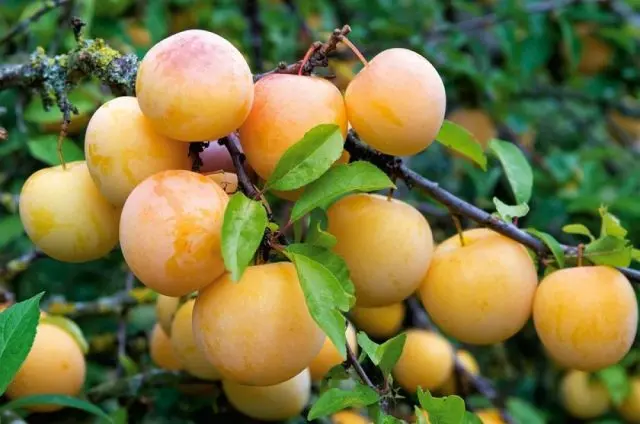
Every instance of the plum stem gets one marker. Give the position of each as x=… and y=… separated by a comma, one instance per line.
x=354, y=49
x=61, y=136
x=311, y=50
x=458, y=224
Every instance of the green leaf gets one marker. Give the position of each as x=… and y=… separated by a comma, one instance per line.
x=616, y=381
x=340, y=180
x=384, y=355
x=18, y=325
x=635, y=255
x=523, y=412
x=45, y=149
x=243, y=227
x=508, y=212
x=570, y=42
x=578, y=229
x=516, y=168
x=462, y=141
x=334, y=400
x=448, y=409
x=62, y=400
x=70, y=327
x=471, y=418
x=421, y=418
x=82, y=98
x=611, y=225
x=305, y=161
x=333, y=377
x=319, y=237
x=609, y=250
x=297, y=231
x=324, y=293
x=551, y=243
x=128, y=365
x=10, y=229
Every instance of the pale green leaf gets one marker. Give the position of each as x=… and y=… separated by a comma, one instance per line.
x=334, y=400
x=45, y=149
x=578, y=229
x=553, y=245
x=508, y=212
x=610, y=251
x=516, y=168
x=448, y=409
x=611, y=225
x=462, y=141
x=616, y=381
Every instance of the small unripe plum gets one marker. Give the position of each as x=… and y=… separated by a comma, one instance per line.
x=489, y=416
x=348, y=417
x=328, y=357
x=477, y=122
x=426, y=361
x=66, y=216
x=284, y=109
x=386, y=243
x=469, y=363
x=480, y=292
x=228, y=181
x=265, y=315
x=122, y=149
x=630, y=407
x=586, y=317
x=160, y=349
x=170, y=231
x=166, y=308
x=397, y=102
x=276, y=402
x=582, y=396
x=382, y=322
x=184, y=345
x=194, y=86
x=55, y=365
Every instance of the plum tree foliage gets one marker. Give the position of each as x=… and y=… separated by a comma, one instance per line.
x=283, y=247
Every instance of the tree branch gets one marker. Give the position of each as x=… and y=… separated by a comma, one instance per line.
x=232, y=143
x=114, y=304
x=24, y=24
x=16, y=266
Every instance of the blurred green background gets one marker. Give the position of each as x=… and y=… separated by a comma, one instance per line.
x=559, y=78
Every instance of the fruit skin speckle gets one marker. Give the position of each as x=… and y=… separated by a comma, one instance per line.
x=66, y=216
x=171, y=231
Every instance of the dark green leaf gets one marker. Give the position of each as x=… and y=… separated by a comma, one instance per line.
x=462, y=141
x=552, y=244
x=384, y=355
x=523, y=412
x=578, y=229
x=448, y=409
x=62, y=400
x=324, y=294
x=18, y=325
x=516, y=168
x=305, y=161
x=508, y=212
x=10, y=229
x=609, y=250
x=334, y=400
x=611, y=225
x=570, y=42
x=297, y=231
x=245, y=221
x=45, y=149
x=338, y=181
x=333, y=377
x=616, y=381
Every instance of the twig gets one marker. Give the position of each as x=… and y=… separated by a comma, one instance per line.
x=24, y=24
x=16, y=266
x=396, y=168
x=480, y=384
x=352, y=361
x=232, y=143
x=122, y=324
x=114, y=304
x=10, y=201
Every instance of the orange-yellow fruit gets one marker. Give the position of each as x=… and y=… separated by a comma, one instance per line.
x=55, y=365
x=170, y=231
x=139, y=35
x=122, y=149
x=630, y=408
x=469, y=363
x=66, y=216
x=382, y=322
x=266, y=316
x=595, y=54
x=480, y=293
x=477, y=122
x=586, y=317
x=276, y=402
x=194, y=86
x=166, y=308
x=228, y=181
x=161, y=351
x=184, y=343
x=348, y=417
x=328, y=357
x=386, y=243
x=397, y=103
x=426, y=361
x=286, y=107
x=582, y=396
x=490, y=416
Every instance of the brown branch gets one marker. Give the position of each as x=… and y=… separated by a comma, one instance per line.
x=352, y=361
x=24, y=24
x=16, y=266
x=232, y=143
